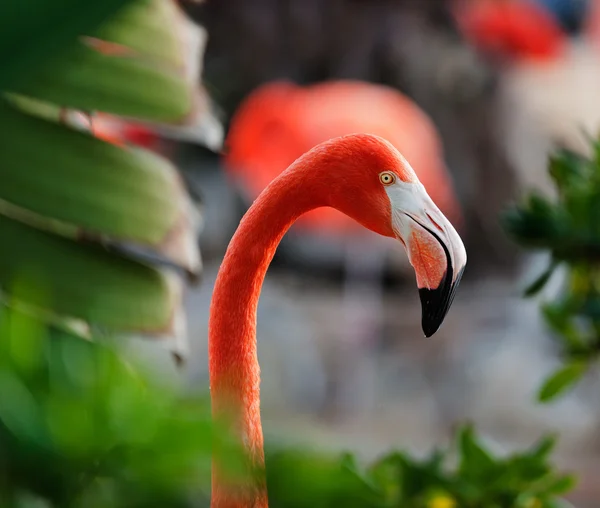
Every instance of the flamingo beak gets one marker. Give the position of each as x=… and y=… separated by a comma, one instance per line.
x=436, y=252
x=438, y=293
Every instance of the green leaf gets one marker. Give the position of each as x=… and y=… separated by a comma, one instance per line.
x=80, y=186
x=544, y=447
x=538, y=284
x=560, y=320
x=387, y=475
x=567, y=167
x=299, y=478
x=149, y=29
x=34, y=31
x=19, y=411
x=561, y=485
x=122, y=84
x=536, y=223
x=84, y=281
x=561, y=381
x=476, y=462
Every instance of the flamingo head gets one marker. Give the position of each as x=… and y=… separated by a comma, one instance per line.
x=434, y=248
x=380, y=190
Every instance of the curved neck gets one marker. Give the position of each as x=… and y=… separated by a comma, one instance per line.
x=233, y=361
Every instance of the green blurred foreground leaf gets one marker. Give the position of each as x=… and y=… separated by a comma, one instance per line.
x=81, y=186
x=562, y=380
x=84, y=281
x=147, y=28
x=122, y=84
x=540, y=282
x=34, y=31
x=132, y=66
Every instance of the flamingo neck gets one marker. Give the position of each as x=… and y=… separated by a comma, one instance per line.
x=233, y=361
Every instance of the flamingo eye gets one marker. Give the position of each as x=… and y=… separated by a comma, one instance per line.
x=387, y=178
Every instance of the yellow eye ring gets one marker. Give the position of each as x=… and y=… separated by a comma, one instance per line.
x=387, y=178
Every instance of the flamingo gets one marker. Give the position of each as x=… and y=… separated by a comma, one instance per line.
x=364, y=177
x=512, y=29
x=276, y=124
x=279, y=121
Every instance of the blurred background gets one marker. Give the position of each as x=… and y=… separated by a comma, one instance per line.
x=475, y=94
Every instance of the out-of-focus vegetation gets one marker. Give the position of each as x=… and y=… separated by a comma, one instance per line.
x=82, y=427
x=568, y=228
x=93, y=236
x=103, y=227
x=478, y=479
x=35, y=31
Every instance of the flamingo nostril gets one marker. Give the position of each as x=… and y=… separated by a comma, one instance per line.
x=439, y=228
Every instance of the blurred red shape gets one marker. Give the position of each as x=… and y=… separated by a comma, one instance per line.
x=513, y=29
x=280, y=121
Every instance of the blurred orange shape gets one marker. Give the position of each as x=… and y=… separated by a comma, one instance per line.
x=516, y=29
x=280, y=121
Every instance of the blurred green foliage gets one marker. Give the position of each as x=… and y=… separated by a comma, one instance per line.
x=108, y=227
x=82, y=427
x=568, y=228
x=478, y=479
x=34, y=31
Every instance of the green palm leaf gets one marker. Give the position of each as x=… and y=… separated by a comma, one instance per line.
x=34, y=31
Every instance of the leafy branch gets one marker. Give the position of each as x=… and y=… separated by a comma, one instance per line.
x=568, y=228
x=479, y=480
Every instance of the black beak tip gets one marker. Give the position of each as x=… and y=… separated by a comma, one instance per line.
x=435, y=304
x=429, y=328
